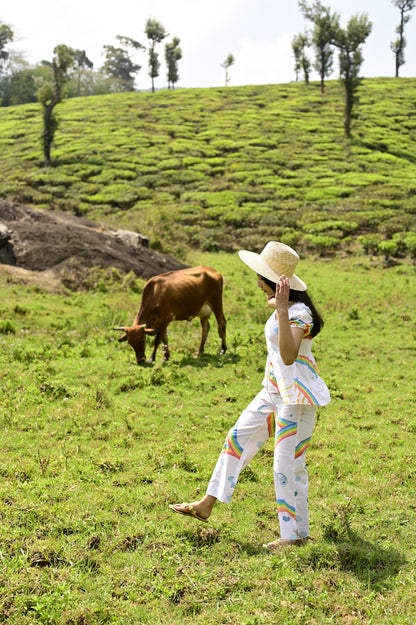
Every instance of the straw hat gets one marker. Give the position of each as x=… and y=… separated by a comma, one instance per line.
x=275, y=260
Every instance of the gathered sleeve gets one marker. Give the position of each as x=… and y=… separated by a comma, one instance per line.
x=300, y=317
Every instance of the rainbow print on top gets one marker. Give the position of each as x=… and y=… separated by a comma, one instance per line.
x=307, y=327
x=310, y=364
x=272, y=377
x=303, y=391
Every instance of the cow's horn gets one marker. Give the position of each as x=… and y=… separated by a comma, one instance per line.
x=121, y=329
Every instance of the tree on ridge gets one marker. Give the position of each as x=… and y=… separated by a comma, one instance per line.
x=325, y=25
x=82, y=62
x=173, y=54
x=398, y=46
x=230, y=60
x=49, y=95
x=155, y=33
x=6, y=36
x=119, y=64
x=299, y=43
x=349, y=42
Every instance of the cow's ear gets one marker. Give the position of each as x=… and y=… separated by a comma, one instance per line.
x=150, y=331
x=122, y=338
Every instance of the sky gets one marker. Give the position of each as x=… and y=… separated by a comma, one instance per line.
x=258, y=33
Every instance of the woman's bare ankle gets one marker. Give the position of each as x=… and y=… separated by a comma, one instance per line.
x=205, y=505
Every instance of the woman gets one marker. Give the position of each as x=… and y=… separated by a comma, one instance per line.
x=287, y=402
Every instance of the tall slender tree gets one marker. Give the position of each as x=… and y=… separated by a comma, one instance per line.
x=6, y=37
x=230, y=60
x=82, y=62
x=325, y=24
x=173, y=54
x=155, y=33
x=306, y=67
x=50, y=94
x=398, y=46
x=299, y=44
x=349, y=41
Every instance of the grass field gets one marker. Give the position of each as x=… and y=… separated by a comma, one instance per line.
x=219, y=169
x=94, y=448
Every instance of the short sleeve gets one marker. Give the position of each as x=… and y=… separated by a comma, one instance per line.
x=300, y=316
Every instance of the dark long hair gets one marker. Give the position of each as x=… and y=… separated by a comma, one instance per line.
x=304, y=297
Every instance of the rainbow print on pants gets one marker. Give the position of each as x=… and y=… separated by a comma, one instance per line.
x=302, y=447
x=284, y=429
x=285, y=508
x=270, y=424
x=231, y=445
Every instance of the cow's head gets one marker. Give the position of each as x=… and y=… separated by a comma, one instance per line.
x=136, y=337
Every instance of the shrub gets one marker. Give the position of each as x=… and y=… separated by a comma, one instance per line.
x=52, y=179
x=346, y=227
x=323, y=244
x=399, y=223
x=399, y=238
x=115, y=194
x=76, y=277
x=410, y=244
x=370, y=242
x=189, y=161
x=7, y=327
x=185, y=176
x=291, y=238
x=328, y=192
x=226, y=145
x=388, y=248
x=110, y=175
x=149, y=180
x=170, y=163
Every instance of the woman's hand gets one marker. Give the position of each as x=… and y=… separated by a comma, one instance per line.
x=282, y=294
x=289, y=338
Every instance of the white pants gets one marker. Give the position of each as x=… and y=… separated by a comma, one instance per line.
x=293, y=426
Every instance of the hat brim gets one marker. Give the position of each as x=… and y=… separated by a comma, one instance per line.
x=257, y=264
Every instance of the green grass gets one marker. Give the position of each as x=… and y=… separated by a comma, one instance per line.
x=225, y=168
x=95, y=447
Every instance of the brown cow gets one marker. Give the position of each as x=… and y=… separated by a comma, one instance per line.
x=181, y=295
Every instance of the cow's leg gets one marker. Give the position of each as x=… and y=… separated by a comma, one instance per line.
x=216, y=305
x=155, y=346
x=222, y=324
x=161, y=335
x=204, y=334
x=166, y=353
x=221, y=331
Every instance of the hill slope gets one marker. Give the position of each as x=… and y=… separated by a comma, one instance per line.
x=231, y=167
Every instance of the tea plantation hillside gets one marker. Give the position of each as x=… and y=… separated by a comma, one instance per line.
x=229, y=167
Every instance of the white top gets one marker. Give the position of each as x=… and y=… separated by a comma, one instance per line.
x=298, y=383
